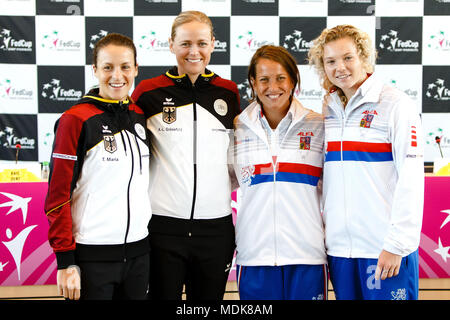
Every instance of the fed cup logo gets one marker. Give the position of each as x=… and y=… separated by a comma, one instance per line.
x=391, y=42
x=439, y=41
x=438, y=91
x=54, y=41
x=247, y=41
x=8, y=43
x=295, y=42
x=94, y=38
x=53, y=91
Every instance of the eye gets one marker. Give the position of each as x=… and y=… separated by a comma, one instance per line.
x=126, y=67
x=348, y=58
x=107, y=68
x=185, y=44
x=330, y=62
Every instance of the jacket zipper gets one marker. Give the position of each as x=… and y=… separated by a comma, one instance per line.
x=194, y=192
x=343, y=179
x=274, y=215
x=274, y=169
x=128, y=197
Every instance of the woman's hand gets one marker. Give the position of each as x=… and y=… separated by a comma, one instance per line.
x=388, y=265
x=68, y=282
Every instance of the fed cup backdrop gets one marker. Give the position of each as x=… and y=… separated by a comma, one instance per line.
x=46, y=48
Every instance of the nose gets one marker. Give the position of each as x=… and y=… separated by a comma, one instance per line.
x=273, y=85
x=117, y=73
x=194, y=50
x=340, y=65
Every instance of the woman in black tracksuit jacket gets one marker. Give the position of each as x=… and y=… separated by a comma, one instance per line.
x=190, y=112
x=97, y=202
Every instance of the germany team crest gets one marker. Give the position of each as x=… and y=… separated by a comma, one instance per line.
x=110, y=143
x=169, y=114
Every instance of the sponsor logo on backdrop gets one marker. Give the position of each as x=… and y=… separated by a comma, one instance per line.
x=54, y=41
x=355, y=1
x=54, y=91
x=9, y=43
x=247, y=41
x=48, y=138
x=152, y=41
x=393, y=43
x=295, y=42
x=9, y=139
x=157, y=7
x=220, y=46
x=413, y=94
x=254, y=7
x=245, y=91
x=16, y=245
x=443, y=250
x=439, y=41
x=9, y=91
x=438, y=90
x=430, y=137
x=95, y=37
x=162, y=1
x=312, y=94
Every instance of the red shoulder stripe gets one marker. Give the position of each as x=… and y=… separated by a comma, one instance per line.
x=84, y=111
x=151, y=84
x=227, y=84
x=135, y=108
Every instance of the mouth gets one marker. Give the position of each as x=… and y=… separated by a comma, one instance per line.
x=193, y=60
x=273, y=96
x=117, y=85
x=343, y=76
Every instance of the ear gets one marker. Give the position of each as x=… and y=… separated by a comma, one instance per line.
x=137, y=70
x=252, y=82
x=94, y=69
x=213, y=43
x=171, y=45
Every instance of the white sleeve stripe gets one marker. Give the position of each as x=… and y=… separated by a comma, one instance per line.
x=64, y=156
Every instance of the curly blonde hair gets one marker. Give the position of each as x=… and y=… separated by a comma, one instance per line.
x=364, y=45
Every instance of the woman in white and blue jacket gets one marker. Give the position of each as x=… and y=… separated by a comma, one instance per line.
x=373, y=183
x=278, y=156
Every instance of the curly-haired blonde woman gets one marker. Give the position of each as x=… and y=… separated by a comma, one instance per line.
x=373, y=172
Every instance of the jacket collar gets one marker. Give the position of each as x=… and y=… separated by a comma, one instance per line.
x=251, y=115
x=184, y=81
x=369, y=91
x=93, y=97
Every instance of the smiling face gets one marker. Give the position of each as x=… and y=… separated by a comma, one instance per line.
x=192, y=46
x=343, y=65
x=115, y=70
x=273, y=87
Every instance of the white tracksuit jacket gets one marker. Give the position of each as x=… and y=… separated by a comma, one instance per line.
x=373, y=185
x=279, y=220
